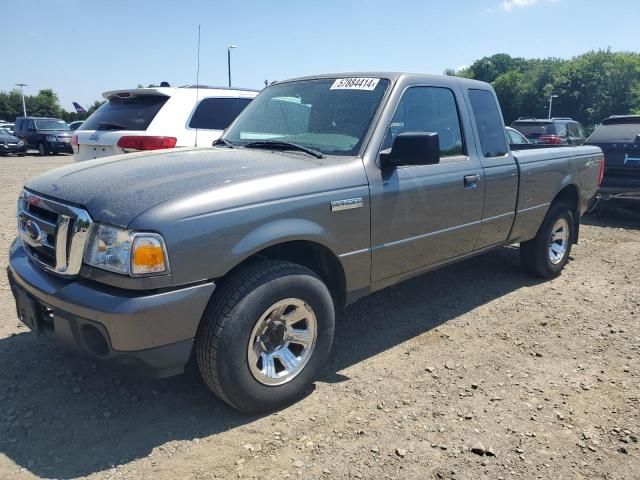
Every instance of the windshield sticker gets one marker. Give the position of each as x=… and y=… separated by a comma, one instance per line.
x=355, y=84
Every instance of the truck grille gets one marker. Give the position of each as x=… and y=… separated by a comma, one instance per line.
x=53, y=234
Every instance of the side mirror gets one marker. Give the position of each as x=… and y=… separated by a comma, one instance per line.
x=412, y=148
x=31, y=130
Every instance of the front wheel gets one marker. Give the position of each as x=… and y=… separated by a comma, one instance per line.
x=42, y=149
x=265, y=335
x=548, y=252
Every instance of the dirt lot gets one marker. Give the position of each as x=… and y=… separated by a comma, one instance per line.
x=544, y=377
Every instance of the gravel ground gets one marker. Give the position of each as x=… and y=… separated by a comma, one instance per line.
x=474, y=371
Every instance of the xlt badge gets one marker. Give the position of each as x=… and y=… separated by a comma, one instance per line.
x=346, y=204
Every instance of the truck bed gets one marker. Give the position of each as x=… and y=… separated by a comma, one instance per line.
x=544, y=172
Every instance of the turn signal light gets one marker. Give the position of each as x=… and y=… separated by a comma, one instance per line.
x=139, y=142
x=74, y=140
x=148, y=256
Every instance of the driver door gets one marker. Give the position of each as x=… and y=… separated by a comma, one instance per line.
x=423, y=215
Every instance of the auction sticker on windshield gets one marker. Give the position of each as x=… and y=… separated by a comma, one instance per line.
x=359, y=83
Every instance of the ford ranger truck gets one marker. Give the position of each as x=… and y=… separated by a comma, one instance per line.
x=323, y=190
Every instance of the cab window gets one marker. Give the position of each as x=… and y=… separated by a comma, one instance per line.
x=428, y=109
x=489, y=123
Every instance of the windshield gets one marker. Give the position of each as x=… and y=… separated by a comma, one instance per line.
x=533, y=130
x=625, y=132
x=330, y=115
x=126, y=113
x=51, y=125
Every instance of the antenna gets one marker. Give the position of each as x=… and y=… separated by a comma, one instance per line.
x=197, y=81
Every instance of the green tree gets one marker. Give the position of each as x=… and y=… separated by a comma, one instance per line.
x=590, y=87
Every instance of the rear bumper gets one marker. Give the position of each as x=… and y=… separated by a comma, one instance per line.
x=149, y=333
x=619, y=192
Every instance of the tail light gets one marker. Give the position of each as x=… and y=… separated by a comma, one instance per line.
x=550, y=139
x=601, y=174
x=74, y=140
x=139, y=142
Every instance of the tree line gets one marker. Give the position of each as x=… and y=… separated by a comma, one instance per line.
x=589, y=87
x=44, y=104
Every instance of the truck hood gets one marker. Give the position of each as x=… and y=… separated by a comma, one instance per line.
x=117, y=189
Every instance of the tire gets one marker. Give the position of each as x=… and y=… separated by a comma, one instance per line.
x=538, y=256
x=42, y=149
x=238, y=310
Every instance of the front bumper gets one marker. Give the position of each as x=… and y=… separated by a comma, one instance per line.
x=4, y=149
x=148, y=332
x=60, y=147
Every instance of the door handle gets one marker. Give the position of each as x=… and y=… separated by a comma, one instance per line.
x=471, y=181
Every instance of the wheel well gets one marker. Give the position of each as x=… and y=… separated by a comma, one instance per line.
x=569, y=196
x=316, y=258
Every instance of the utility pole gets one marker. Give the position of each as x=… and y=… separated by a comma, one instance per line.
x=551, y=97
x=229, y=61
x=24, y=106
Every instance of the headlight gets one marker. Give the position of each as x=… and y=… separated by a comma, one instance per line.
x=126, y=252
x=52, y=138
x=20, y=143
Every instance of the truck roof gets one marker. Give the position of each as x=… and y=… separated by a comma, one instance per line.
x=393, y=76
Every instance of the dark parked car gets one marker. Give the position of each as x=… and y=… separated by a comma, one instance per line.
x=619, y=138
x=48, y=135
x=555, y=131
x=10, y=144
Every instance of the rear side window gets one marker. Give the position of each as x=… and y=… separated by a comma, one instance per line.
x=490, y=127
x=573, y=130
x=132, y=113
x=217, y=113
x=561, y=129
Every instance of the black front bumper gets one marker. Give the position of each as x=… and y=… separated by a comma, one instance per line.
x=150, y=333
x=60, y=147
x=6, y=149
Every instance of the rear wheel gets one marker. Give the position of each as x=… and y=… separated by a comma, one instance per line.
x=546, y=255
x=265, y=335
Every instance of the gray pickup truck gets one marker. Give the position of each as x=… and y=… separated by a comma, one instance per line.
x=324, y=189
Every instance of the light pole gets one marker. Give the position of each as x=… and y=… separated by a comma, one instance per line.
x=24, y=107
x=229, y=61
x=551, y=97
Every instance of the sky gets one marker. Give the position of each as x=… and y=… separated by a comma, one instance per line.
x=81, y=48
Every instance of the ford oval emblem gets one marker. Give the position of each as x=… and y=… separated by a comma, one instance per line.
x=33, y=230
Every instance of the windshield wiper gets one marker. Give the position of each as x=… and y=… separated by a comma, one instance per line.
x=281, y=145
x=110, y=126
x=223, y=141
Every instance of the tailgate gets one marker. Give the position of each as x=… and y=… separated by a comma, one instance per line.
x=622, y=165
x=99, y=143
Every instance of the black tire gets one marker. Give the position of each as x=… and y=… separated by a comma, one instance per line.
x=224, y=333
x=42, y=149
x=534, y=254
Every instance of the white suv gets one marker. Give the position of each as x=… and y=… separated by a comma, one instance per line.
x=155, y=118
